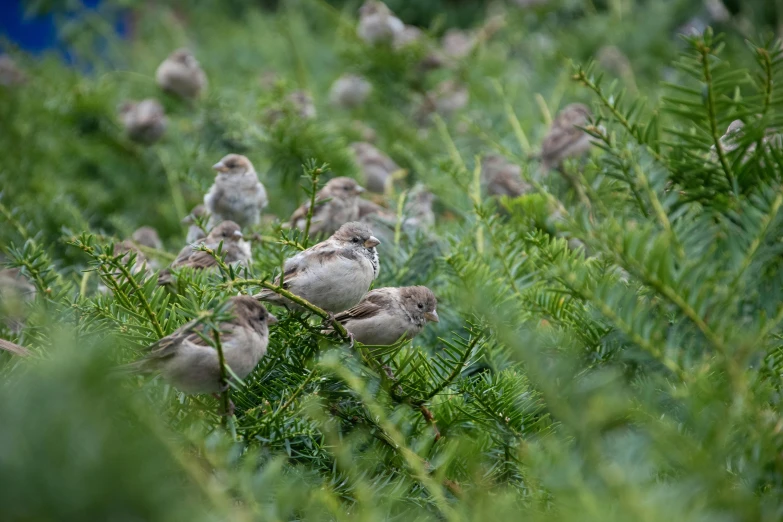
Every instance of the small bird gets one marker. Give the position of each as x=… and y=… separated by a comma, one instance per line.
x=304, y=104
x=418, y=213
x=445, y=99
x=350, y=91
x=377, y=23
x=10, y=73
x=376, y=166
x=236, y=195
x=565, y=139
x=236, y=250
x=501, y=177
x=189, y=363
x=148, y=237
x=335, y=204
x=195, y=233
x=334, y=274
x=386, y=315
x=181, y=74
x=144, y=121
x=457, y=43
x=128, y=247
x=298, y=103
x=409, y=35
x=16, y=292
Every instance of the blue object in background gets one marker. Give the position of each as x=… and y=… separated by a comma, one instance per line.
x=36, y=34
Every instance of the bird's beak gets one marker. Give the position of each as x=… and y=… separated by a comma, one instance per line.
x=359, y=189
x=220, y=167
x=372, y=242
x=271, y=319
x=432, y=316
x=238, y=234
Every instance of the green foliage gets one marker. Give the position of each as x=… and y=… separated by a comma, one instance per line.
x=613, y=352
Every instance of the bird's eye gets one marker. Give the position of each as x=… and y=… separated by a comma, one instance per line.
x=355, y=240
x=421, y=306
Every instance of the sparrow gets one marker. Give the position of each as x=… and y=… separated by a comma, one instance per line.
x=191, y=364
x=409, y=35
x=334, y=274
x=181, y=74
x=10, y=73
x=501, y=177
x=144, y=121
x=335, y=204
x=129, y=247
x=376, y=166
x=195, y=233
x=457, y=43
x=386, y=315
x=299, y=103
x=564, y=139
x=732, y=140
x=16, y=292
x=148, y=237
x=350, y=91
x=236, y=250
x=445, y=99
x=377, y=23
x=236, y=195
x=418, y=213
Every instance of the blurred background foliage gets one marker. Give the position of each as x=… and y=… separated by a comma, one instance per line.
x=634, y=376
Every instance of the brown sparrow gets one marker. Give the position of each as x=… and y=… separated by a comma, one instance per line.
x=148, y=237
x=191, y=364
x=501, y=177
x=237, y=195
x=195, y=233
x=181, y=74
x=350, y=91
x=16, y=292
x=335, y=204
x=564, y=139
x=386, y=315
x=334, y=274
x=376, y=166
x=144, y=121
x=377, y=24
x=235, y=249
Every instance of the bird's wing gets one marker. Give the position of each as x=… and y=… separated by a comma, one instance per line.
x=167, y=347
x=559, y=140
x=301, y=213
x=372, y=304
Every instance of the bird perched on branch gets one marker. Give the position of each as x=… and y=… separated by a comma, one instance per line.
x=16, y=292
x=350, y=91
x=376, y=166
x=386, y=315
x=236, y=195
x=377, y=23
x=235, y=249
x=148, y=237
x=181, y=74
x=187, y=361
x=501, y=177
x=565, y=139
x=144, y=121
x=335, y=204
x=195, y=232
x=332, y=275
